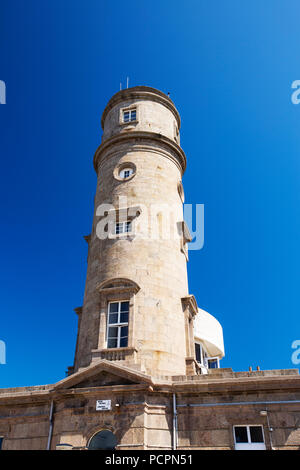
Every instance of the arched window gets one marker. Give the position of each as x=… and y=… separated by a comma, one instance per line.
x=103, y=440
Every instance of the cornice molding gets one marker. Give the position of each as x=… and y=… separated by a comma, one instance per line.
x=207, y=385
x=143, y=141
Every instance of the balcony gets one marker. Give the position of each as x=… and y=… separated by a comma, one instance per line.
x=115, y=354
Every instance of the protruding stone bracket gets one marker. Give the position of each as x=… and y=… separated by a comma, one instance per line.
x=78, y=310
x=189, y=303
x=186, y=237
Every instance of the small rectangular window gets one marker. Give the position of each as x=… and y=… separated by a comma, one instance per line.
x=129, y=115
x=213, y=363
x=123, y=227
x=1, y=441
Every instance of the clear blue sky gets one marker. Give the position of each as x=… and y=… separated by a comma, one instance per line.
x=228, y=66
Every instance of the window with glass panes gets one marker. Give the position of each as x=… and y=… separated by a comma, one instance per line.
x=126, y=172
x=117, y=331
x=129, y=115
x=248, y=434
x=200, y=353
x=213, y=363
x=123, y=227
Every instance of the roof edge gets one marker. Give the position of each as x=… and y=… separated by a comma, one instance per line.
x=139, y=92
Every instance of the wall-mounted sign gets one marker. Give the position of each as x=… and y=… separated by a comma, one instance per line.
x=103, y=405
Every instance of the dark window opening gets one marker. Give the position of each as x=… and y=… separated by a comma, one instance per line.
x=256, y=434
x=241, y=435
x=103, y=440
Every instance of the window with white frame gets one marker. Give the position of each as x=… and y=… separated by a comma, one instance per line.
x=123, y=227
x=129, y=115
x=117, y=325
x=198, y=352
x=201, y=354
x=125, y=173
x=249, y=437
x=213, y=363
x=203, y=358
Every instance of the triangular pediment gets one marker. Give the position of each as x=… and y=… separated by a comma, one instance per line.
x=103, y=373
x=102, y=379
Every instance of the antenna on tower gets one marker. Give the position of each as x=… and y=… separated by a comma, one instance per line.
x=120, y=86
x=127, y=81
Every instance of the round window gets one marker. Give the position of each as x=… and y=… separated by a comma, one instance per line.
x=125, y=171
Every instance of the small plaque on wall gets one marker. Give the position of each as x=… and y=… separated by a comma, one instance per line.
x=103, y=405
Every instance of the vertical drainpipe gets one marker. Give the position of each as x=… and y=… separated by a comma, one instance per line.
x=270, y=431
x=175, y=431
x=50, y=425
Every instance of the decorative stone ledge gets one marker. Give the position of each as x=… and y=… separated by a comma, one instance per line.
x=117, y=285
x=227, y=373
x=115, y=354
x=142, y=141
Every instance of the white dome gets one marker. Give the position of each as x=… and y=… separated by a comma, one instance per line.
x=209, y=331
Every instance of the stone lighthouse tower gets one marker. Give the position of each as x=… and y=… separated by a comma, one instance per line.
x=137, y=309
x=146, y=373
